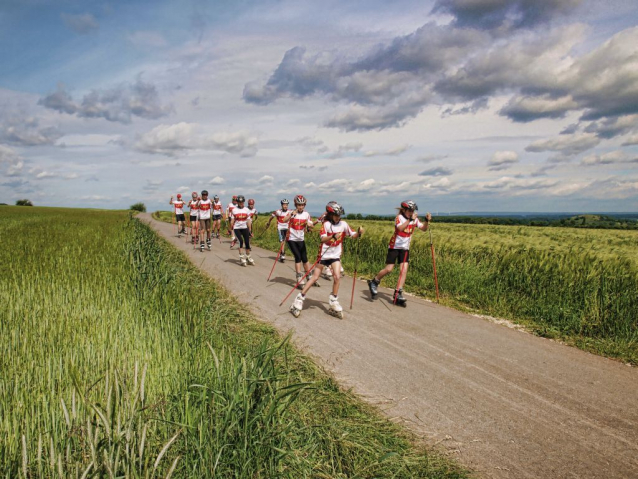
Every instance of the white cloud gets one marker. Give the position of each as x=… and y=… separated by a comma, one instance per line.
x=609, y=158
x=218, y=180
x=632, y=140
x=396, y=151
x=266, y=180
x=565, y=144
x=82, y=24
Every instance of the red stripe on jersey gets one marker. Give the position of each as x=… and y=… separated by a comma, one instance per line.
x=297, y=224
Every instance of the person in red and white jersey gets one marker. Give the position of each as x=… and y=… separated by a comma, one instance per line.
x=179, y=213
x=229, y=216
x=298, y=221
x=253, y=214
x=205, y=206
x=194, y=216
x=282, y=225
x=218, y=212
x=241, y=222
x=406, y=222
x=333, y=232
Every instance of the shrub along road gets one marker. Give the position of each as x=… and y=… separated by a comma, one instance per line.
x=506, y=403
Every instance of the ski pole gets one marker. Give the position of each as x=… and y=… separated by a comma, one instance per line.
x=436, y=281
x=281, y=248
x=354, y=277
x=405, y=257
x=299, y=282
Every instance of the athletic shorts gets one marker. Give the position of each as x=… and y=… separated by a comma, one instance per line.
x=328, y=262
x=217, y=217
x=243, y=236
x=180, y=217
x=193, y=218
x=399, y=255
x=298, y=249
x=205, y=224
x=282, y=234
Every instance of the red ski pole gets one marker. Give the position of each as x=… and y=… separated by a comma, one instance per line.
x=354, y=277
x=281, y=248
x=436, y=281
x=299, y=282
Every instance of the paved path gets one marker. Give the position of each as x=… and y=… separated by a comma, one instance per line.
x=507, y=404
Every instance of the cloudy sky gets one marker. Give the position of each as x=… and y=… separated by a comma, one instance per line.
x=461, y=105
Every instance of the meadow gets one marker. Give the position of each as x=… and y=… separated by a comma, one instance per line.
x=576, y=285
x=119, y=359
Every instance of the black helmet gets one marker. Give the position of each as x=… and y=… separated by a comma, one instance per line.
x=300, y=200
x=205, y=192
x=285, y=201
x=335, y=208
x=241, y=199
x=409, y=205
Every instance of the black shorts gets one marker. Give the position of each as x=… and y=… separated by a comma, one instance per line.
x=217, y=217
x=180, y=217
x=328, y=262
x=298, y=249
x=402, y=255
x=193, y=218
x=243, y=236
x=205, y=224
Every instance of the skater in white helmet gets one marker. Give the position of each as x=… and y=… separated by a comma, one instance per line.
x=205, y=206
x=282, y=225
x=253, y=215
x=240, y=223
x=194, y=217
x=218, y=210
x=333, y=232
x=179, y=214
x=229, y=217
x=399, y=249
x=298, y=221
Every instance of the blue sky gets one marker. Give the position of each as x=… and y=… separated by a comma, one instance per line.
x=461, y=105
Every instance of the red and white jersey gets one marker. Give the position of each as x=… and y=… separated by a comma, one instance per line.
x=332, y=249
x=253, y=213
x=280, y=215
x=192, y=204
x=217, y=208
x=241, y=217
x=298, y=225
x=179, y=206
x=204, y=209
x=230, y=208
x=401, y=239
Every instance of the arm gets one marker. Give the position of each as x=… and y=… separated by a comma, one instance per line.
x=401, y=228
x=359, y=233
x=171, y=202
x=426, y=224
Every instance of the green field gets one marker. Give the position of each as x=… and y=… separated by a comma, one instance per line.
x=119, y=359
x=574, y=284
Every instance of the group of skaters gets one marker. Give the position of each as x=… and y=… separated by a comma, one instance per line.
x=292, y=225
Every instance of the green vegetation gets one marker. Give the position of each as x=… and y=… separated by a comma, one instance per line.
x=578, y=285
x=24, y=202
x=578, y=221
x=119, y=359
x=141, y=207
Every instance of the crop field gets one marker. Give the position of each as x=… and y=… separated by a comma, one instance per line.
x=574, y=284
x=119, y=359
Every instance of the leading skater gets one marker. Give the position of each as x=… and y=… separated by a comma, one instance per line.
x=333, y=232
x=399, y=249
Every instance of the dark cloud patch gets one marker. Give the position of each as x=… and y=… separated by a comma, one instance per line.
x=523, y=109
x=438, y=171
x=430, y=158
x=489, y=14
x=612, y=127
x=21, y=131
x=565, y=145
x=474, y=107
x=81, y=24
x=118, y=104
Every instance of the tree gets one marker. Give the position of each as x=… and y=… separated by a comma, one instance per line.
x=141, y=207
x=24, y=202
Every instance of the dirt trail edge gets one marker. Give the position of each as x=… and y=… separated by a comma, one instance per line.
x=504, y=402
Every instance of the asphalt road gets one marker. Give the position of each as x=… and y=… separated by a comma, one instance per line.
x=505, y=403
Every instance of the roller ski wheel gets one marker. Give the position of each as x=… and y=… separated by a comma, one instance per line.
x=282, y=258
x=334, y=308
x=373, y=286
x=297, y=305
x=399, y=300
x=201, y=247
x=301, y=281
x=251, y=262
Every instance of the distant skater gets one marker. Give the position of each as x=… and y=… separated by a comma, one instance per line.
x=253, y=215
x=194, y=217
x=218, y=210
x=179, y=214
x=333, y=232
x=399, y=249
x=298, y=221
x=282, y=226
x=241, y=224
x=229, y=217
x=205, y=206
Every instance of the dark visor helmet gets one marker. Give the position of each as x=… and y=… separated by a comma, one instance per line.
x=205, y=192
x=240, y=199
x=335, y=208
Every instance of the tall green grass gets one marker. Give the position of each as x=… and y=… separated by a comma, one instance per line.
x=571, y=284
x=119, y=359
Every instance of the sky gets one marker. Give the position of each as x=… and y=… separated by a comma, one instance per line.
x=459, y=105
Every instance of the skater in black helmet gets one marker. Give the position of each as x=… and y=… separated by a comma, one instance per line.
x=333, y=232
x=399, y=248
x=282, y=225
x=205, y=206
